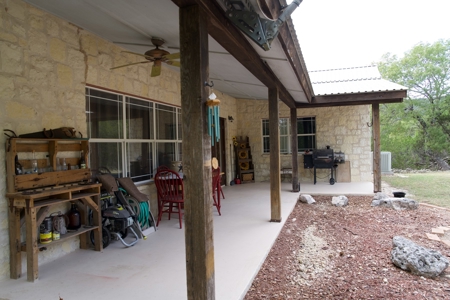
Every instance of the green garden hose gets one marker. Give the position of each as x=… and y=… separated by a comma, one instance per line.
x=142, y=211
x=143, y=216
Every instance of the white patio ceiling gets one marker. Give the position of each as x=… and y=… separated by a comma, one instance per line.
x=126, y=22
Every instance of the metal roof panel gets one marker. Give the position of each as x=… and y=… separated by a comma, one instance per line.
x=364, y=79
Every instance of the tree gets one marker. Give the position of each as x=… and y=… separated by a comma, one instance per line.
x=418, y=130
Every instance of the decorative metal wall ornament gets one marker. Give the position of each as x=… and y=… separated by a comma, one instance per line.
x=261, y=30
x=243, y=154
x=244, y=166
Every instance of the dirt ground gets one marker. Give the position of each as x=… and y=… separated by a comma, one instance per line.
x=328, y=252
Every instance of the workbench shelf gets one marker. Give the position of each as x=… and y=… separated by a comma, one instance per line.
x=31, y=196
x=68, y=235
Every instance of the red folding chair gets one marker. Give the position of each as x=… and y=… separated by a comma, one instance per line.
x=169, y=186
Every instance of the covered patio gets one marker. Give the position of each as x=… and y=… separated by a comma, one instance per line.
x=155, y=268
x=78, y=45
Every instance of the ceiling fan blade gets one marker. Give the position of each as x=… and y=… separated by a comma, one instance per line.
x=156, y=71
x=172, y=56
x=143, y=55
x=135, y=44
x=141, y=62
x=173, y=63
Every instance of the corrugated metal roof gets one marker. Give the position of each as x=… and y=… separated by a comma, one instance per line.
x=351, y=80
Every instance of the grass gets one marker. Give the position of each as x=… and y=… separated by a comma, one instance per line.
x=432, y=187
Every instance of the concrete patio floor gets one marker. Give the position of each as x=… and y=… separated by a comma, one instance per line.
x=155, y=268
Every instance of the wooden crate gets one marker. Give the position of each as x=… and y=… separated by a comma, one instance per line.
x=247, y=177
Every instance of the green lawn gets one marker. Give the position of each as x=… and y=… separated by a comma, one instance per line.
x=432, y=188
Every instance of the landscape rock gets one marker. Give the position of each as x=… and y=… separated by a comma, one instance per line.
x=381, y=196
x=381, y=199
x=305, y=198
x=339, y=201
x=378, y=198
x=416, y=259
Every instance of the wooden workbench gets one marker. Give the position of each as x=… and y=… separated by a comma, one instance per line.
x=30, y=195
x=35, y=206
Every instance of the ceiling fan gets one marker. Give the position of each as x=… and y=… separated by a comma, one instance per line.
x=157, y=56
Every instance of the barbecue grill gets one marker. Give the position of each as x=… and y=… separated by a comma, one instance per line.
x=324, y=159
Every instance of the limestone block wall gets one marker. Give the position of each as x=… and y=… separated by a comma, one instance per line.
x=41, y=86
x=343, y=128
x=45, y=65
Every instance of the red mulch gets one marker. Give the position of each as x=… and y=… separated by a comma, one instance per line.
x=347, y=254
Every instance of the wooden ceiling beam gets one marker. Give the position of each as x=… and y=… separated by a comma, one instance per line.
x=234, y=41
x=272, y=9
x=355, y=99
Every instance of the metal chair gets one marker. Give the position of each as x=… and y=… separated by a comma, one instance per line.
x=169, y=186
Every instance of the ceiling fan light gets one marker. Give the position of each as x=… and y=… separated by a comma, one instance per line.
x=156, y=70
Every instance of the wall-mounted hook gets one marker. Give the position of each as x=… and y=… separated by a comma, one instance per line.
x=370, y=124
x=208, y=84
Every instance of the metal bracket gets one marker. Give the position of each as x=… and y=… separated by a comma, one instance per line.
x=261, y=30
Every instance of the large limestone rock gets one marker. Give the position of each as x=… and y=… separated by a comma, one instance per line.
x=305, y=198
x=416, y=259
x=339, y=201
x=381, y=199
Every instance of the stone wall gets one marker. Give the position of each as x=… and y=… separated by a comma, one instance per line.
x=45, y=65
x=343, y=128
x=42, y=74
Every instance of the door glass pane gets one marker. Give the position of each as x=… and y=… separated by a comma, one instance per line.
x=106, y=156
x=140, y=159
x=139, y=119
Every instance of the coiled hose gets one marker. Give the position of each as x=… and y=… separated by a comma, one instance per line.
x=144, y=214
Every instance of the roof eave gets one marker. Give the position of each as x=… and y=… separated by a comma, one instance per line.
x=356, y=99
x=291, y=47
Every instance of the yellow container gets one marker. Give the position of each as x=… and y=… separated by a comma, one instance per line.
x=45, y=237
x=56, y=235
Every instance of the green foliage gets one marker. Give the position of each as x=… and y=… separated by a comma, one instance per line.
x=417, y=131
x=429, y=188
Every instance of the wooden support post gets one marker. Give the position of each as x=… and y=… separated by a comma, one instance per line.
x=198, y=206
x=31, y=241
x=274, y=140
x=376, y=148
x=14, y=242
x=294, y=150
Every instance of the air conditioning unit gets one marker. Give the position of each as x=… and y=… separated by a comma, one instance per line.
x=385, y=161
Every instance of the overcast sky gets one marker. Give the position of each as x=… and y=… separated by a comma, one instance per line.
x=349, y=33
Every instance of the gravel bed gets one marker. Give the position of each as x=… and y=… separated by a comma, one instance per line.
x=328, y=252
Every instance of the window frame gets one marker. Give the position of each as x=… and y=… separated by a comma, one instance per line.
x=286, y=121
x=125, y=167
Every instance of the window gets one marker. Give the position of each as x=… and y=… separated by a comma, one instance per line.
x=129, y=136
x=306, y=134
